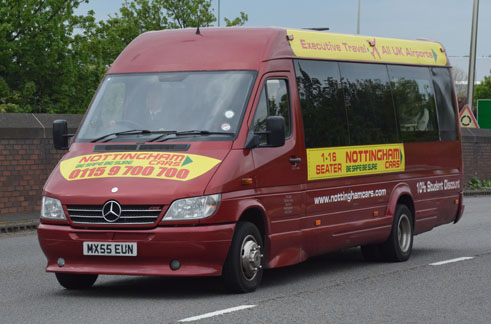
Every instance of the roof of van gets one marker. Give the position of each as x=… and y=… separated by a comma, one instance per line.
x=245, y=48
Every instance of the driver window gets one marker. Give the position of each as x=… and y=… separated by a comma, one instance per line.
x=112, y=102
x=272, y=102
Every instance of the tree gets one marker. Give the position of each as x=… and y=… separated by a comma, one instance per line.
x=52, y=60
x=483, y=90
x=108, y=38
x=39, y=68
x=460, y=78
x=239, y=21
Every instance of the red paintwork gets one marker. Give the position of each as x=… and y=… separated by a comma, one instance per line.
x=157, y=247
x=213, y=49
x=280, y=193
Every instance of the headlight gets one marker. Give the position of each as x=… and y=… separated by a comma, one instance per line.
x=51, y=209
x=193, y=208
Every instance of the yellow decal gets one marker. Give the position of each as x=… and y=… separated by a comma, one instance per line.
x=336, y=162
x=364, y=48
x=161, y=165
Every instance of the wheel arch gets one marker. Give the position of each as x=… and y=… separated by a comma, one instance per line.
x=255, y=213
x=257, y=217
x=401, y=194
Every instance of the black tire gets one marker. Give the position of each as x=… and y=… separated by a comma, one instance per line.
x=399, y=245
x=76, y=281
x=243, y=271
x=371, y=253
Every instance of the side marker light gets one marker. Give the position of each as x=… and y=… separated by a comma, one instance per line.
x=247, y=181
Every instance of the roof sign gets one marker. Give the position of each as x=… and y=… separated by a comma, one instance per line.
x=364, y=48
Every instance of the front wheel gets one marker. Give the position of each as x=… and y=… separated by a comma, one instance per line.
x=399, y=245
x=76, y=281
x=243, y=269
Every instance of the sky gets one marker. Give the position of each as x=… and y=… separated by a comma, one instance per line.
x=446, y=21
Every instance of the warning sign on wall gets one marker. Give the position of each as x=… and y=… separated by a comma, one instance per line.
x=467, y=119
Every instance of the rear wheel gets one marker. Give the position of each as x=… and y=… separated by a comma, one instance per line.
x=76, y=281
x=243, y=269
x=398, y=246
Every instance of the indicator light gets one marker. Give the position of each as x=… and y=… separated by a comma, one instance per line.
x=247, y=181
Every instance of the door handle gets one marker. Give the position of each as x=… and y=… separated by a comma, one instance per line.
x=295, y=160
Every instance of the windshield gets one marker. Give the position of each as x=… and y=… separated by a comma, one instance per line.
x=146, y=105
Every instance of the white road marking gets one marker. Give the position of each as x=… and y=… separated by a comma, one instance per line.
x=451, y=261
x=220, y=312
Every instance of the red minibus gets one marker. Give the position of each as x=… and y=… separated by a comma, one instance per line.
x=231, y=150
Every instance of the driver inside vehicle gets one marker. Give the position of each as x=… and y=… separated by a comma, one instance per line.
x=151, y=118
x=154, y=116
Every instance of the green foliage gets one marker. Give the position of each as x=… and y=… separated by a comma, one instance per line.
x=483, y=90
x=51, y=60
x=239, y=21
x=476, y=184
x=40, y=66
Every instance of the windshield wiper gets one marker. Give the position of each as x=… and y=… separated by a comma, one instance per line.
x=164, y=136
x=127, y=132
x=203, y=132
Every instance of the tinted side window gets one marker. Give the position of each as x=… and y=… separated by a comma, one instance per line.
x=368, y=101
x=322, y=103
x=272, y=102
x=445, y=103
x=415, y=103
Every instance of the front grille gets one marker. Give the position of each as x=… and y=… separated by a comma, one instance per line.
x=130, y=214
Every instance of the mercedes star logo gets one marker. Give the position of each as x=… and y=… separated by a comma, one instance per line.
x=111, y=211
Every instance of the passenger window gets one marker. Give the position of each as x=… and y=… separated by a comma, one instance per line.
x=368, y=102
x=272, y=102
x=415, y=103
x=442, y=83
x=322, y=103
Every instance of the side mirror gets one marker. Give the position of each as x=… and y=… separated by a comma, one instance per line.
x=60, y=134
x=275, y=134
x=275, y=130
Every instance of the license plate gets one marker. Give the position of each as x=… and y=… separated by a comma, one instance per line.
x=110, y=249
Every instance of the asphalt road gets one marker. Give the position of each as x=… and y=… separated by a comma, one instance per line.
x=335, y=288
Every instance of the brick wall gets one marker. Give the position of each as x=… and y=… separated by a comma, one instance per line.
x=25, y=165
x=27, y=157
x=476, y=153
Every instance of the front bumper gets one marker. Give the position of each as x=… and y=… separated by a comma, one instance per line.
x=201, y=250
